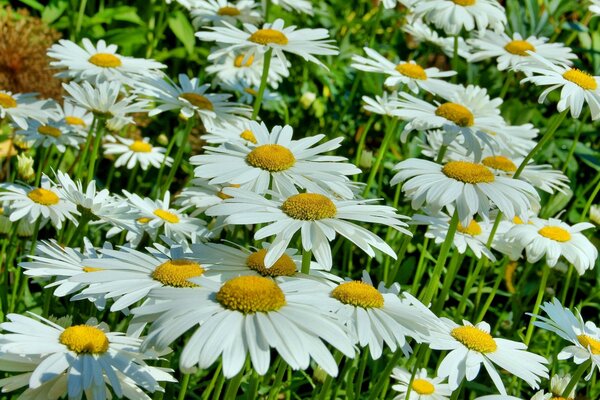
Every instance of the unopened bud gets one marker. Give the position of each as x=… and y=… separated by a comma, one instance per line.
x=25, y=167
x=307, y=99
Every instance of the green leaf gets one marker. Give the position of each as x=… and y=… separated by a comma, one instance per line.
x=181, y=27
x=33, y=4
x=122, y=13
x=54, y=11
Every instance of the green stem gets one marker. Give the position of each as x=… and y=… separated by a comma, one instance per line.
x=132, y=177
x=212, y=382
x=80, y=231
x=85, y=150
x=588, y=205
x=389, y=134
x=580, y=124
x=274, y=392
x=306, y=258
x=490, y=298
x=234, y=385
x=384, y=375
x=95, y=150
x=507, y=83
x=263, y=83
x=420, y=265
x=576, y=377
x=184, y=385
x=441, y=154
x=40, y=167
x=80, y=15
x=363, y=138
x=253, y=386
x=455, y=59
x=181, y=141
x=450, y=275
x=538, y=302
x=327, y=383
x=361, y=372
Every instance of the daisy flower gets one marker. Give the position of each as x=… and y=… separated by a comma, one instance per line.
x=246, y=93
x=237, y=66
x=470, y=188
x=511, y=52
x=316, y=216
x=554, y=238
x=238, y=130
x=278, y=163
x=248, y=315
x=453, y=16
x=393, y=3
x=214, y=12
x=99, y=63
x=132, y=152
x=558, y=384
x=303, y=42
x=421, y=388
x=200, y=195
x=584, y=336
x=382, y=105
x=595, y=7
x=470, y=346
x=301, y=6
x=34, y=203
x=85, y=358
x=78, y=119
x=407, y=73
x=21, y=108
x=577, y=87
x=51, y=133
x=421, y=32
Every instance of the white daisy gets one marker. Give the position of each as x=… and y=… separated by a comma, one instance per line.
x=20, y=108
x=558, y=384
x=383, y=105
x=238, y=130
x=421, y=388
x=237, y=66
x=421, y=32
x=511, y=52
x=132, y=152
x=246, y=93
x=87, y=358
x=316, y=216
x=407, y=73
x=301, y=6
x=51, y=133
x=248, y=315
x=34, y=203
x=453, y=16
x=304, y=42
x=577, y=87
x=78, y=119
x=214, y=12
x=393, y=3
x=470, y=188
x=278, y=163
x=595, y=7
x=585, y=336
x=470, y=346
x=554, y=238
x=99, y=63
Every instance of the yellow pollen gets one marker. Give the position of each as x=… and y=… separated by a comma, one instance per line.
x=468, y=172
x=309, y=207
x=144, y=220
x=474, y=339
x=519, y=47
x=105, y=60
x=589, y=343
x=412, y=71
x=7, y=101
x=71, y=120
x=358, y=294
x=456, y=113
x=84, y=339
x=555, y=233
x=560, y=398
x=581, y=78
x=224, y=196
x=271, y=157
x=91, y=269
x=228, y=11
x=177, y=272
x=499, y=162
x=284, y=266
x=43, y=196
x=48, y=130
x=167, y=216
x=517, y=220
x=198, y=101
x=238, y=62
x=422, y=386
x=509, y=273
x=472, y=229
x=251, y=294
x=139, y=146
x=248, y=135
x=250, y=91
x=464, y=3
x=268, y=36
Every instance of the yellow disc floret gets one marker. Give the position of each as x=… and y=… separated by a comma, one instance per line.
x=422, y=386
x=48, y=130
x=472, y=229
x=358, y=294
x=84, y=339
x=519, y=47
x=239, y=61
x=91, y=269
x=500, y=162
x=72, y=120
x=271, y=157
x=198, y=101
x=44, y=197
x=248, y=135
x=468, y=172
x=284, y=266
x=474, y=339
x=581, y=79
x=268, y=36
x=139, y=146
x=105, y=60
x=555, y=233
x=228, y=11
x=167, y=216
x=177, y=272
x=413, y=71
x=7, y=101
x=309, y=207
x=456, y=113
x=589, y=343
x=251, y=294
x=464, y=3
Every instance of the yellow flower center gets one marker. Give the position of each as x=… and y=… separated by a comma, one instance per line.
x=139, y=146
x=167, y=216
x=249, y=136
x=468, y=172
x=239, y=61
x=105, y=60
x=268, y=36
x=589, y=343
x=464, y=3
x=456, y=113
x=250, y=91
x=284, y=266
x=309, y=207
x=84, y=339
x=177, y=272
x=499, y=162
x=228, y=11
x=472, y=229
x=519, y=47
x=198, y=101
x=144, y=220
x=91, y=269
x=412, y=71
x=560, y=398
x=517, y=220
x=48, y=130
x=359, y=294
x=71, y=120
x=7, y=101
x=271, y=157
x=555, y=233
x=581, y=78
x=251, y=294
x=474, y=339
x=422, y=386
x=43, y=196
x=224, y=196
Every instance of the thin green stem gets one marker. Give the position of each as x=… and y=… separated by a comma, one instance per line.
x=306, y=258
x=588, y=204
x=491, y=296
x=263, y=83
x=327, y=383
x=384, y=375
x=538, y=302
x=389, y=134
x=420, y=265
x=274, y=392
x=455, y=262
x=441, y=154
x=576, y=377
x=40, y=167
x=181, y=141
x=184, y=385
x=363, y=138
x=95, y=150
x=80, y=15
x=578, y=130
x=252, y=386
x=234, y=385
x=455, y=59
x=85, y=150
